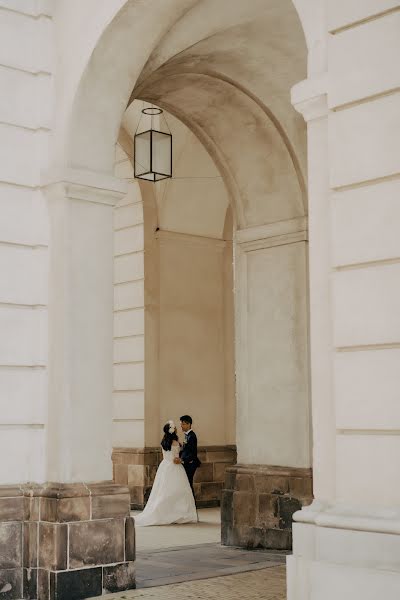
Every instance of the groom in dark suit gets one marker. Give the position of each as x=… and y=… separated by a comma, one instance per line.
x=188, y=454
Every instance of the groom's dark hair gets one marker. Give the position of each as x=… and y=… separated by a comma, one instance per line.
x=186, y=419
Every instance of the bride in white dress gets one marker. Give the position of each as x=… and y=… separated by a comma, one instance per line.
x=171, y=499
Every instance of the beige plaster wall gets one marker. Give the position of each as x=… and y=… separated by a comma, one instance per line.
x=273, y=425
x=194, y=371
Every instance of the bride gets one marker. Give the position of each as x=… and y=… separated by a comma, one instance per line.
x=171, y=499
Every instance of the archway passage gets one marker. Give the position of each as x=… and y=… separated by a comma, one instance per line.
x=245, y=121
x=173, y=311
x=226, y=74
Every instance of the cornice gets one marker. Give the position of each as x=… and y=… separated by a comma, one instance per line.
x=272, y=234
x=165, y=237
x=310, y=97
x=89, y=186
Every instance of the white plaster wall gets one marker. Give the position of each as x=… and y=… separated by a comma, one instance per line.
x=80, y=332
x=365, y=163
x=25, y=114
x=345, y=544
x=128, y=388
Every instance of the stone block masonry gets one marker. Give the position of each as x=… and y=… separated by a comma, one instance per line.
x=137, y=467
x=258, y=503
x=65, y=541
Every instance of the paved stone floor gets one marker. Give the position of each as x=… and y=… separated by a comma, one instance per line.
x=207, y=531
x=265, y=584
x=188, y=561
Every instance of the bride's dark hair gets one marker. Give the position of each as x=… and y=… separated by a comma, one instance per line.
x=168, y=438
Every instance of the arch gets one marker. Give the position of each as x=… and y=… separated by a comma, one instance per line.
x=228, y=78
x=175, y=46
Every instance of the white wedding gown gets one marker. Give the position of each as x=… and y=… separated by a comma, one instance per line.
x=171, y=499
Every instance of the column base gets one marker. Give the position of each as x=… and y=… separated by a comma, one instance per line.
x=258, y=503
x=137, y=467
x=62, y=541
x=344, y=553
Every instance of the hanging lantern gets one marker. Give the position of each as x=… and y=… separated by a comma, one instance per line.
x=153, y=151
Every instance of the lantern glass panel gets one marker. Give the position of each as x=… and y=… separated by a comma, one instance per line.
x=143, y=155
x=161, y=154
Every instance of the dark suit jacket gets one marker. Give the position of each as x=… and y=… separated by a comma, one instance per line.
x=188, y=453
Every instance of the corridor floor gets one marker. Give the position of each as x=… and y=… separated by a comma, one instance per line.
x=188, y=561
x=266, y=584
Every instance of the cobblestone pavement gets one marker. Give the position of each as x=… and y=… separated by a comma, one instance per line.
x=266, y=584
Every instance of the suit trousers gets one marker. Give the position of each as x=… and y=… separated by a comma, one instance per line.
x=190, y=469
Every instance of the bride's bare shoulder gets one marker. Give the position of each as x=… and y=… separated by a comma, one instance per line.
x=175, y=443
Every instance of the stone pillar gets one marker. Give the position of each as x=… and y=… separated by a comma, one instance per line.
x=80, y=206
x=61, y=541
x=258, y=503
x=14, y=583
x=73, y=539
x=273, y=425
x=346, y=544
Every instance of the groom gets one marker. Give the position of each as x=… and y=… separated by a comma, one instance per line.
x=188, y=454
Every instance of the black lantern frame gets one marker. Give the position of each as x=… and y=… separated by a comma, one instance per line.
x=152, y=151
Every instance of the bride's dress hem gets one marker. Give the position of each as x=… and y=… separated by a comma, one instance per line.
x=171, y=500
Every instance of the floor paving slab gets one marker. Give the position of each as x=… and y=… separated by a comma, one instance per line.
x=207, y=530
x=188, y=561
x=266, y=584
x=200, y=562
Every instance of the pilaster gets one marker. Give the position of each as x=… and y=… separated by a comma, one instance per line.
x=80, y=205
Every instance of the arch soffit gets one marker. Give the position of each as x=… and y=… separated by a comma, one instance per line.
x=255, y=129
x=96, y=153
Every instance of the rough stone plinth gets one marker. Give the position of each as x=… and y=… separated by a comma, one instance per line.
x=258, y=502
x=65, y=541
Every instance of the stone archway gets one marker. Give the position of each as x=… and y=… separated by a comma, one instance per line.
x=173, y=249
x=210, y=84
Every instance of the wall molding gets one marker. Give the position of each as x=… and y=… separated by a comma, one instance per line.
x=280, y=233
x=279, y=240
x=310, y=97
x=165, y=237
x=277, y=231
x=351, y=517
x=89, y=186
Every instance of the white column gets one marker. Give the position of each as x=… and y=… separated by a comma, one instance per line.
x=310, y=99
x=273, y=420
x=25, y=118
x=81, y=326
x=348, y=546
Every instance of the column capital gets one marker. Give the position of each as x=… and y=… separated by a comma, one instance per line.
x=89, y=186
x=310, y=97
x=272, y=234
